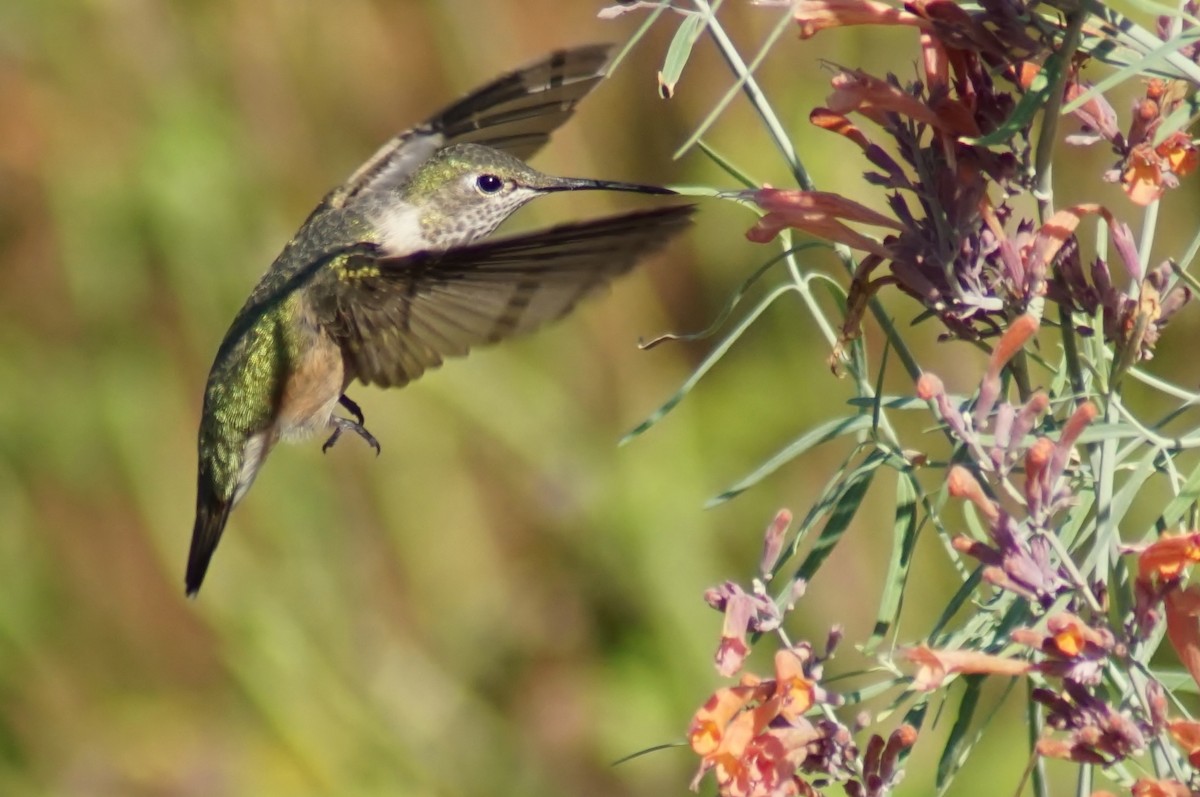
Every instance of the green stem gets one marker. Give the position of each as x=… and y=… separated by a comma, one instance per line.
x=1066, y=322
x=1033, y=712
x=776, y=130
x=1044, y=158
x=757, y=98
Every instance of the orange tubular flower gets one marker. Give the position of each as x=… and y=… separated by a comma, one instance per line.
x=1066, y=636
x=1143, y=176
x=1071, y=635
x=928, y=386
x=733, y=649
x=773, y=542
x=1070, y=648
x=873, y=97
x=961, y=484
x=1011, y=342
x=1165, y=558
x=754, y=736
x=1159, y=788
x=1183, y=627
x=794, y=691
x=1057, y=748
x=709, y=725
x=934, y=665
x=1150, y=171
x=1075, y=425
x=1187, y=735
x=814, y=16
x=818, y=213
x=1036, y=459
x=840, y=124
x=1179, y=152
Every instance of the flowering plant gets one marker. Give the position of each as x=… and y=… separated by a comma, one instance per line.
x=962, y=159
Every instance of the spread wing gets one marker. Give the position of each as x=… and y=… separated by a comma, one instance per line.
x=515, y=113
x=395, y=317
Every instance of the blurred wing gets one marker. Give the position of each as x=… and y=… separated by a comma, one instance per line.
x=515, y=113
x=396, y=317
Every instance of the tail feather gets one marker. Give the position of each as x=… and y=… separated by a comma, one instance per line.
x=211, y=515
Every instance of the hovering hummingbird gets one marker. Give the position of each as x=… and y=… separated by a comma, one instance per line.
x=387, y=277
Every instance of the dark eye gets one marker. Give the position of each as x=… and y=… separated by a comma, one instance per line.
x=488, y=183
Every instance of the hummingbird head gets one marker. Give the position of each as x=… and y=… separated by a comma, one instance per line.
x=465, y=191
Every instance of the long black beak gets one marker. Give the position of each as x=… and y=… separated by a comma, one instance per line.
x=582, y=184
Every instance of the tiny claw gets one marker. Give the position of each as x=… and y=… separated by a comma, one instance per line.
x=352, y=407
x=343, y=424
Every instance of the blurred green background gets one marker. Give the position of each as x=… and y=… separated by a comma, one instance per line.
x=504, y=602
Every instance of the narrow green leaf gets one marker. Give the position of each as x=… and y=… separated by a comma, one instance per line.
x=1018, y=615
x=1079, y=518
x=651, y=18
x=656, y=748
x=966, y=745
x=1164, y=9
x=1027, y=107
x=916, y=715
x=1109, y=431
x=904, y=540
x=821, y=434
x=856, y=696
x=876, y=410
x=978, y=631
x=854, y=489
x=898, y=402
x=743, y=76
x=678, y=53
x=821, y=507
x=1136, y=40
x=1177, y=507
x=755, y=94
x=728, y=166
x=1175, y=680
x=1180, y=271
x=1154, y=59
x=708, y=362
x=1133, y=485
x=964, y=594
x=1121, y=592
x=958, y=744
x=1185, y=260
x=731, y=303
x=1179, y=119
x=979, y=530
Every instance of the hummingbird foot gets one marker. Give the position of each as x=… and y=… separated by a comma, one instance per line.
x=352, y=407
x=345, y=424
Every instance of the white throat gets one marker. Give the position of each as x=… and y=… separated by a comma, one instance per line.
x=400, y=230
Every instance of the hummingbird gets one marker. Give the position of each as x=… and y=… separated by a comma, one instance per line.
x=391, y=273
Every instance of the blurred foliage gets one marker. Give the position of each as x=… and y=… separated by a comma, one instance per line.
x=504, y=601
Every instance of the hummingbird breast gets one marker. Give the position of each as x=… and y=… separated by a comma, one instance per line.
x=314, y=383
x=279, y=379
